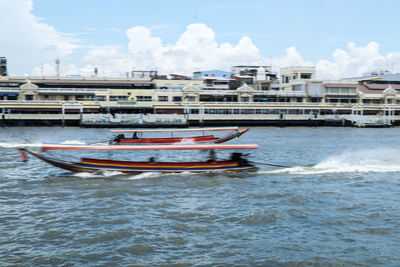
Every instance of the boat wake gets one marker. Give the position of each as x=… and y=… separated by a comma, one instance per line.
x=145, y=175
x=378, y=160
x=15, y=145
x=100, y=174
x=73, y=142
x=117, y=174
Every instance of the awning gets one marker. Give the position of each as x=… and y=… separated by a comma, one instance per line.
x=9, y=93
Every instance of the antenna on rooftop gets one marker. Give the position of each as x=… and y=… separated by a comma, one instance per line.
x=58, y=67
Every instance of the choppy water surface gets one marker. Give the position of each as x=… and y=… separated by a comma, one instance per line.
x=337, y=204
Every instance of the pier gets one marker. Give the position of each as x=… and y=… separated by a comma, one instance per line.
x=157, y=114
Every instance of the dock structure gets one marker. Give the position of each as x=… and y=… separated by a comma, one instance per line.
x=244, y=114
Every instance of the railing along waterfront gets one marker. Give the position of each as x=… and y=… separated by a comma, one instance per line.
x=196, y=105
x=269, y=104
x=60, y=89
x=38, y=102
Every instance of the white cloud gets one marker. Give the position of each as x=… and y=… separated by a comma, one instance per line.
x=352, y=62
x=110, y=61
x=356, y=61
x=291, y=58
x=26, y=41
x=196, y=49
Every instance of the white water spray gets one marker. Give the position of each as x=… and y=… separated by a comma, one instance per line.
x=377, y=160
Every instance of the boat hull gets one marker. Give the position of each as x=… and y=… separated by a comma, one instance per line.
x=135, y=167
x=173, y=140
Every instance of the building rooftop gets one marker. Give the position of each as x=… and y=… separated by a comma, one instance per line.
x=383, y=78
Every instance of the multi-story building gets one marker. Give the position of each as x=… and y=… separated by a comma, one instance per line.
x=298, y=84
x=298, y=98
x=170, y=90
x=379, y=89
x=259, y=77
x=339, y=92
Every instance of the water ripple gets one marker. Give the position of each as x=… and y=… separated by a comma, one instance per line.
x=337, y=205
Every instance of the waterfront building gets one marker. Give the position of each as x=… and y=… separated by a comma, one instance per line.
x=259, y=72
x=173, y=90
x=379, y=89
x=259, y=77
x=259, y=99
x=298, y=84
x=339, y=92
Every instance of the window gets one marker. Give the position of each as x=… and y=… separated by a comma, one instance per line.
x=100, y=98
x=84, y=98
x=247, y=111
x=333, y=90
x=260, y=98
x=299, y=87
x=66, y=97
x=190, y=98
x=177, y=99
x=118, y=97
x=162, y=98
x=143, y=98
x=305, y=76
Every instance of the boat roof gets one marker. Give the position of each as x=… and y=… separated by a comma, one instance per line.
x=177, y=129
x=147, y=147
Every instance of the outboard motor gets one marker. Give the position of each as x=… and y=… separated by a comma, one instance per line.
x=238, y=158
x=118, y=138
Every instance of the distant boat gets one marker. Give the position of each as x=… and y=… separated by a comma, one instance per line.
x=137, y=136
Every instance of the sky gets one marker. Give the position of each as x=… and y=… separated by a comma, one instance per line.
x=341, y=38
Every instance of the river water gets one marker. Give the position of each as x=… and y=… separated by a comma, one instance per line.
x=336, y=204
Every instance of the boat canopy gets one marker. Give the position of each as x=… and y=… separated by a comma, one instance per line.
x=147, y=147
x=177, y=130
